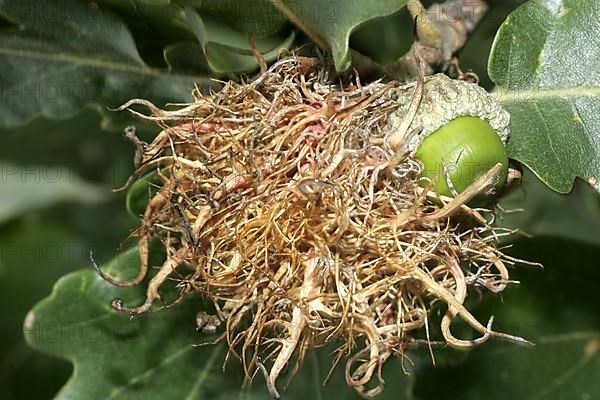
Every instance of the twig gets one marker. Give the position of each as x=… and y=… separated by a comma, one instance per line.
x=442, y=31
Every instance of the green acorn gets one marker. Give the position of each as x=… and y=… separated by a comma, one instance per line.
x=464, y=132
x=460, y=152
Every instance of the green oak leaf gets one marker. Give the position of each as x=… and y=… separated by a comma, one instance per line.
x=153, y=23
x=258, y=17
x=226, y=50
x=115, y=357
x=151, y=356
x=330, y=23
x=197, y=36
x=545, y=63
x=53, y=64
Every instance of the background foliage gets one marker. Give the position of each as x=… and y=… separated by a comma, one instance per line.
x=63, y=63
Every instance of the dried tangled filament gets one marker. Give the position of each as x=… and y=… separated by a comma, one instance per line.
x=284, y=202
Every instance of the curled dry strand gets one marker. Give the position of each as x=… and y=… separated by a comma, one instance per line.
x=284, y=204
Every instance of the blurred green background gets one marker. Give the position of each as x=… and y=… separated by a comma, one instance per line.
x=56, y=204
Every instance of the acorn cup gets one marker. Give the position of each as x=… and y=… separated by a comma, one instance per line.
x=462, y=132
x=282, y=202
